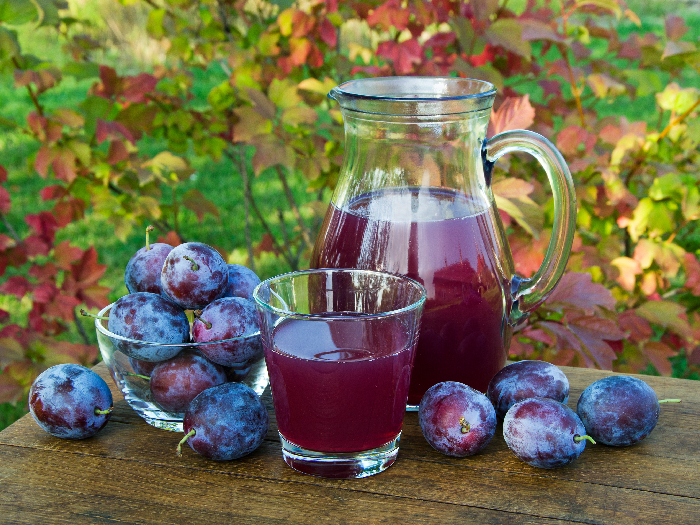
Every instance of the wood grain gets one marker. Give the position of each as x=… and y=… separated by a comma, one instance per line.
x=129, y=472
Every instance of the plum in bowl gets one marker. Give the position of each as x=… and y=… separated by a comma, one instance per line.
x=133, y=375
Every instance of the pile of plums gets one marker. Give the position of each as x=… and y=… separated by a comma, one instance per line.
x=163, y=283
x=538, y=427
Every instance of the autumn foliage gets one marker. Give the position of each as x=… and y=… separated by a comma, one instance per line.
x=630, y=299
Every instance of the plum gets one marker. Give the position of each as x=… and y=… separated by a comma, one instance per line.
x=523, y=380
x=456, y=419
x=544, y=433
x=225, y=422
x=144, y=268
x=618, y=410
x=193, y=275
x=176, y=382
x=228, y=318
x=148, y=317
x=241, y=281
x=70, y=401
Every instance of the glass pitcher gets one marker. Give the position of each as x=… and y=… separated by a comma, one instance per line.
x=414, y=198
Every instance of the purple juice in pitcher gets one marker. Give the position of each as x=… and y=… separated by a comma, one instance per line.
x=442, y=239
x=340, y=385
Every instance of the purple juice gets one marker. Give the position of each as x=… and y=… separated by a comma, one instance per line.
x=442, y=239
x=340, y=385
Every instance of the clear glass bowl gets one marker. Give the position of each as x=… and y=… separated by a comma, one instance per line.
x=135, y=388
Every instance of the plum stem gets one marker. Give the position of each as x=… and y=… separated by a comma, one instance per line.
x=195, y=266
x=191, y=433
x=149, y=229
x=578, y=439
x=465, y=426
x=103, y=412
x=137, y=375
x=198, y=315
x=669, y=400
x=88, y=314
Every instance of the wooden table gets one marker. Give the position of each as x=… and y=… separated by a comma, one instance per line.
x=129, y=473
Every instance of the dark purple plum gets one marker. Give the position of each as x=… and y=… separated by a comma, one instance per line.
x=241, y=281
x=544, y=433
x=148, y=317
x=618, y=410
x=144, y=268
x=226, y=422
x=194, y=274
x=142, y=368
x=523, y=380
x=456, y=419
x=176, y=382
x=228, y=318
x=70, y=401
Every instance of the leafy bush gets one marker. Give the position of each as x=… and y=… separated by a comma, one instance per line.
x=245, y=83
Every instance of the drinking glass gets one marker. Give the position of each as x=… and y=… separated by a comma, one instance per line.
x=339, y=346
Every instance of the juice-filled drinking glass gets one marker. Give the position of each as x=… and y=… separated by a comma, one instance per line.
x=339, y=347
x=414, y=198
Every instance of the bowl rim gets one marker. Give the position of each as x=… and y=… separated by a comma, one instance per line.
x=104, y=331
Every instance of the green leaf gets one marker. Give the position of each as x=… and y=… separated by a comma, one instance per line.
x=9, y=45
x=647, y=81
x=154, y=25
x=675, y=98
x=507, y=33
x=271, y=151
x=81, y=70
x=669, y=186
x=666, y=314
x=654, y=218
x=299, y=115
x=610, y=5
x=17, y=12
x=283, y=93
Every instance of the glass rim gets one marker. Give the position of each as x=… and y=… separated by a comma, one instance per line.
x=105, y=331
x=341, y=89
x=318, y=317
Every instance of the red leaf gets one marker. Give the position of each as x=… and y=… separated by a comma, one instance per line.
x=73, y=352
x=172, y=238
x=5, y=201
x=659, y=353
x=675, y=27
x=265, y=245
x=135, y=89
x=95, y=296
x=87, y=270
x=593, y=332
x=5, y=242
x=194, y=200
x=514, y=113
x=692, y=273
x=4, y=316
x=53, y=192
x=571, y=137
x=117, y=152
x=404, y=55
x=638, y=328
x=68, y=211
x=3, y=174
x=44, y=224
x=64, y=165
x=17, y=286
x=328, y=32
x=110, y=83
x=390, y=14
x=11, y=390
x=45, y=272
x=299, y=49
x=112, y=131
x=43, y=160
x=65, y=254
x=576, y=290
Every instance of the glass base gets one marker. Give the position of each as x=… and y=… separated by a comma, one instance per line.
x=340, y=465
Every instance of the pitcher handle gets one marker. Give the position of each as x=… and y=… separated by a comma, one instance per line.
x=528, y=294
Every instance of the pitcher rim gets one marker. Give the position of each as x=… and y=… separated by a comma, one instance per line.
x=481, y=94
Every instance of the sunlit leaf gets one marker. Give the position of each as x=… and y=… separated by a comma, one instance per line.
x=666, y=314
x=507, y=33
x=513, y=113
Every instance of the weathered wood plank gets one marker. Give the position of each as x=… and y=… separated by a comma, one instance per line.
x=46, y=487
x=657, y=481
